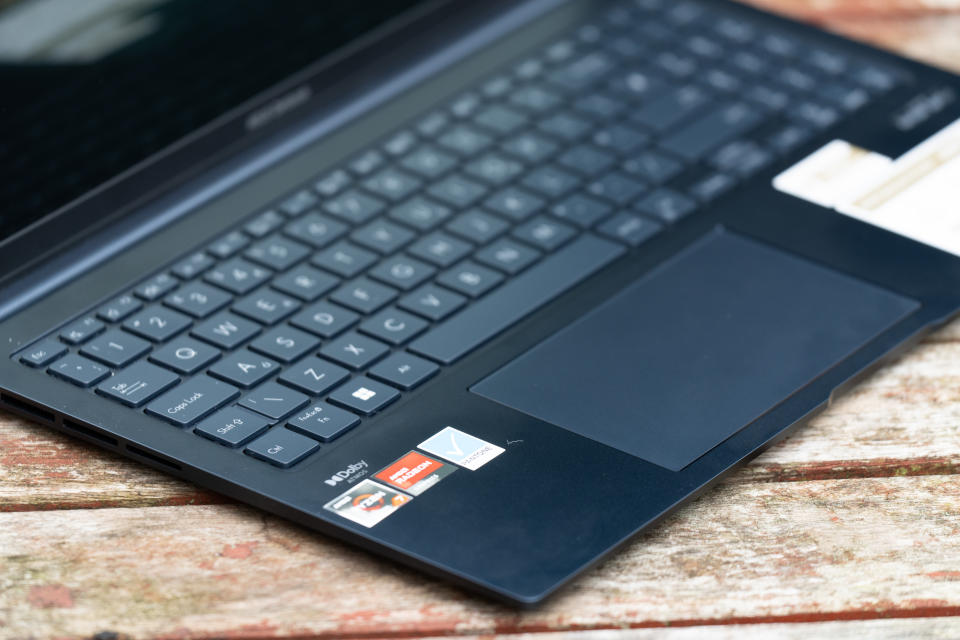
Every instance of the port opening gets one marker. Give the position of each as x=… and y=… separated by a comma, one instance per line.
x=88, y=431
x=150, y=456
x=26, y=407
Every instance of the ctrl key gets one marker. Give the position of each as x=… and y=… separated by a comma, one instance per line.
x=192, y=400
x=282, y=447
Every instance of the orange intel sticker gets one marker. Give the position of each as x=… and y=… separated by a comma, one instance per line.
x=415, y=473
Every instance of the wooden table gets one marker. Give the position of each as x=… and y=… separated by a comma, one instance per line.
x=851, y=528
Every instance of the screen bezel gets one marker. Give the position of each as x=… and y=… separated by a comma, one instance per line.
x=224, y=136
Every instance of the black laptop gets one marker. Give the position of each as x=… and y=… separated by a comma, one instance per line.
x=483, y=287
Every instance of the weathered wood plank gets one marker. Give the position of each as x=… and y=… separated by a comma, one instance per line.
x=897, y=629
x=901, y=421
x=752, y=553
x=921, y=29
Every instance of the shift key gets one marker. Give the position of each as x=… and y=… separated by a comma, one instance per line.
x=192, y=400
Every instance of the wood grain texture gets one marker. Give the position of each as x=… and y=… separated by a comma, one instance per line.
x=849, y=529
x=755, y=552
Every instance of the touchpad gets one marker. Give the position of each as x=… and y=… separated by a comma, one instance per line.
x=706, y=343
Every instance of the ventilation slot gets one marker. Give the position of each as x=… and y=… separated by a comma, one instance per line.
x=153, y=458
x=26, y=407
x=87, y=431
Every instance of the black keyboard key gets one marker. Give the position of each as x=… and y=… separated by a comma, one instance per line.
x=470, y=279
x=875, y=78
x=333, y=183
x=535, y=98
x=185, y=355
x=544, y=233
x=266, y=306
x=79, y=370
x=530, y=147
x=816, y=115
x=285, y=344
x=277, y=252
x=741, y=157
x=314, y=376
x=393, y=326
x=599, y=106
x=115, y=348
x=617, y=187
x=477, y=227
x=344, y=259
x=768, y=98
x=720, y=125
x=404, y=371
x=494, y=169
x=232, y=426
x=515, y=203
x=156, y=287
x=354, y=351
x=629, y=228
x=507, y=256
x=420, y=213
x=119, y=308
x=402, y=272
x=587, y=160
x=192, y=400
x=364, y=396
x=264, y=224
x=432, y=302
x=282, y=448
x=364, y=295
x=457, y=191
x=316, y=229
x=42, y=353
x=440, y=249
x=620, y=138
x=156, y=323
x=382, y=236
x=518, y=298
x=551, y=182
x=354, y=207
x=237, y=276
x=429, y=162
x=225, y=330
x=710, y=186
x=298, y=203
x=322, y=422
x=432, y=123
x=400, y=143
x=844, y=96
x=582, y=210
x=325, y=319
x=796, y=80
x=673, y=107
x=305, y=283
x=583, y=72
x=367, y=162
x=500, y=119
x=392, y=184
x=274, y=401
x=80, y=331
x=192, y=266
x=137, y=384
x=244, y=368
x=788, y=138
x=228, y=245
x=666, y=205
x=197, y=300
x=465, y=140
x=565, y=126
x=653, y=166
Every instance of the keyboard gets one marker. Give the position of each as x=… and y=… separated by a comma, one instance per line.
x=322, y=309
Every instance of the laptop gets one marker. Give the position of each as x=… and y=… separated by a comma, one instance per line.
x=485, y=288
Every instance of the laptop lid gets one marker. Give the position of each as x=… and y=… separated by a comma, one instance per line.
x=123, y=96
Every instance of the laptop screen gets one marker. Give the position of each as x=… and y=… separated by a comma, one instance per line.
x=91, y=88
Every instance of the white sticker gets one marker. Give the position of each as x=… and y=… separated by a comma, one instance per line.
x=461, y=448
x=367, y=503
x=915, y=195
